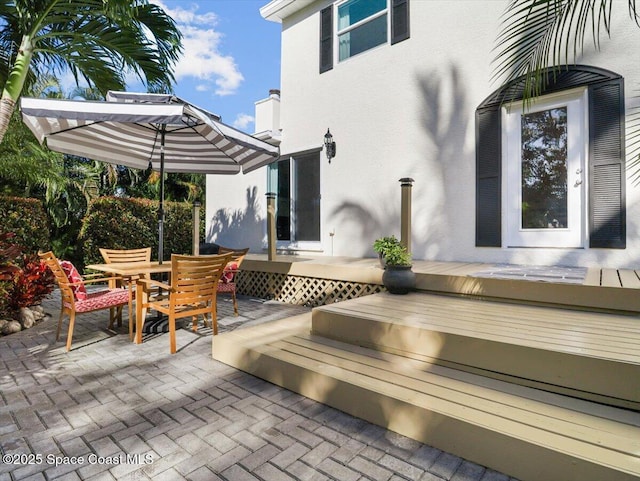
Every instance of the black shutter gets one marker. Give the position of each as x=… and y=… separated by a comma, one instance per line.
x=607, y=209
x=489, y=177
x=326, y=39
x=399, y=21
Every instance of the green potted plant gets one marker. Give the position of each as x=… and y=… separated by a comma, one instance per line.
x=398, y=277
x=383, y=245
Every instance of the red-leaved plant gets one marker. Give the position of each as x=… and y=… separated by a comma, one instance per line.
x=24, y=279
x=31, y=283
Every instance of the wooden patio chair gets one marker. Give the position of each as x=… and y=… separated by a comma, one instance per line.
x=115, y=256
x=112, y=256
x=191, y=293
x=227, y=283
x=76, y=299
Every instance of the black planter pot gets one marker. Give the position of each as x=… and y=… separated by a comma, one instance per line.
x=399, y=279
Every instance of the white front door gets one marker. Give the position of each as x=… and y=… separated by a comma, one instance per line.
x=545, y=151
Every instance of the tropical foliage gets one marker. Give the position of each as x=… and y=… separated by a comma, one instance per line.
x=26, y=222
x=119, y=223
x=537, y=34
x=99, y=42
x=24, y=279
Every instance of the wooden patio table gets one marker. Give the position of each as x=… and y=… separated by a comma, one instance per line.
x=130, y=271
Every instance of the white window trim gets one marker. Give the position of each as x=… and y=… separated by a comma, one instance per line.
x=293, y=244
x=545, y=238
x=337, y=33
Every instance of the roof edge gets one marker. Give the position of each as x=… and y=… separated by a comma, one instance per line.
x=278, y=10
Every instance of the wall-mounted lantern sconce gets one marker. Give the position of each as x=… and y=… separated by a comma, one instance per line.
x=329, y=145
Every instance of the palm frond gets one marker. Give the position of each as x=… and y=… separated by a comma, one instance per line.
x=98, y=42
x=633, y=140
x=537, y=34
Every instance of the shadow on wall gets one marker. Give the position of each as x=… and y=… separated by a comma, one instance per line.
x=446, y=115
x=371, y=221
x=445, y=173
x=240, y=228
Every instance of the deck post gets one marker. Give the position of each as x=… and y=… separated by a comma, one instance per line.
x=196, y=228
x=271, y=226
x=406, y=184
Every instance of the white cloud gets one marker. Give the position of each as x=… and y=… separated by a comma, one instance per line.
x=242, y=121
x=202, y=57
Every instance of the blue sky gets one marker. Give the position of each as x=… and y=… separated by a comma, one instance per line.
x=231, y=56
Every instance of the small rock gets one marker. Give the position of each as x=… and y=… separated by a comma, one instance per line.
x=11, y=327
x=3, y=323
x=27, y=317
x=38, y=309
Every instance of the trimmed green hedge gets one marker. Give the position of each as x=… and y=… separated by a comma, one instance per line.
x=27, y=219
x=118, y=223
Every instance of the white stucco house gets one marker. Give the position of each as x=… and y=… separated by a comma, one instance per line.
x=405, y=87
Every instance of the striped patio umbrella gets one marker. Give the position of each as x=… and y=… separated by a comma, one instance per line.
x=141, y=130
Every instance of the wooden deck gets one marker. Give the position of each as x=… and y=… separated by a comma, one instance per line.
x=595, y=276
x=536, y=379
x=600, y=289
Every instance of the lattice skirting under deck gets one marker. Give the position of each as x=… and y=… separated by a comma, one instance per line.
x=307, y=291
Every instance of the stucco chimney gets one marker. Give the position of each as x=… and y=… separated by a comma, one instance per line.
x=268, y=113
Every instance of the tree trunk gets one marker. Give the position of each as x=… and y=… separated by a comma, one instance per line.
x=7, y=107
x=15, y=83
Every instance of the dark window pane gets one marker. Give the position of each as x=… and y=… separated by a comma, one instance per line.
x=544, y=169
x=364, y=37
x=354, y=11
x=307, y=198
x=283, y=201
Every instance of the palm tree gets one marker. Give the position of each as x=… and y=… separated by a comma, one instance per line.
x=538, y=34
x=98, y=41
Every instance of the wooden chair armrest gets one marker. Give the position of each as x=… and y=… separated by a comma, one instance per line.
x=101, y=279
x=148, y=283
x=87, y=281
x=90, y=275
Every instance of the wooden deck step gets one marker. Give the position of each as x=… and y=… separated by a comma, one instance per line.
x=590, y=355
x=524, y=432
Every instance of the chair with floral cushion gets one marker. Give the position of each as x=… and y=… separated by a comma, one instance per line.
x=76, y=299
x=227, y=282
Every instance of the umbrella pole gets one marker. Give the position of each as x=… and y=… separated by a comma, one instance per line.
x=161, y=206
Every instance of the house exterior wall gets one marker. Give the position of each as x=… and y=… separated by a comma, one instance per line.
x=408, y=110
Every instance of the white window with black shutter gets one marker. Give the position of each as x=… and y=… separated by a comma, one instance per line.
x=551, y=173
x=360, y=25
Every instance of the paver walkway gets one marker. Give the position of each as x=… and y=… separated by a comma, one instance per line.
x=110, y=409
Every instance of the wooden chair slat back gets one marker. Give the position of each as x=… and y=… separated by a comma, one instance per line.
x=195, y=277
x=53, y=264
x=113, y=256
x=237, y=255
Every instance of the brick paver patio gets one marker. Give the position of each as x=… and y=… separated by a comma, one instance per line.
x=113, y=410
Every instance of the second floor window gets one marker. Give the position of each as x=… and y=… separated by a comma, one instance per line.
x=362, y=25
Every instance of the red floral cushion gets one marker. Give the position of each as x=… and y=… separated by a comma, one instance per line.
x=229, y=273
x=228, y=287
x=103, y=299
x=79, y=290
